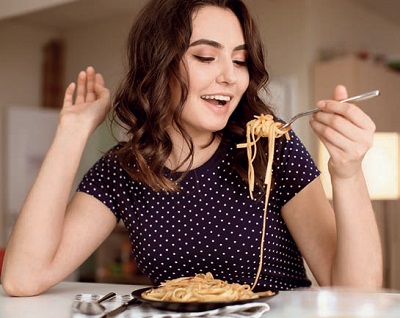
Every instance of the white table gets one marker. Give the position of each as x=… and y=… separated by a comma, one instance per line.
x=56, y=303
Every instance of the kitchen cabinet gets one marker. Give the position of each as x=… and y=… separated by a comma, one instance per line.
x=360, y=76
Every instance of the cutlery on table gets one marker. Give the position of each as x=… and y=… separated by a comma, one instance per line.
x=120, y=309
x=350, y=99
x=94, y=307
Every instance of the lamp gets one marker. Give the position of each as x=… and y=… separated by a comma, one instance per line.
x=380, y=166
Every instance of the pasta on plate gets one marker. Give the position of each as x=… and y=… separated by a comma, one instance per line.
x=199, y=288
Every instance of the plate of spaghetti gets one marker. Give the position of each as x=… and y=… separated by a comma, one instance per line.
x=199, y=293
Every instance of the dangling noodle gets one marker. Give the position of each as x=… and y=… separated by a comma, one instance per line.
x=200, y=288
x=262, y=126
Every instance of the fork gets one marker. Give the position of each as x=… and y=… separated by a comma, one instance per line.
x=350, y=99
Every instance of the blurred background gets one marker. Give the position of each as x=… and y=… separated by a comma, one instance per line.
x=311, y=46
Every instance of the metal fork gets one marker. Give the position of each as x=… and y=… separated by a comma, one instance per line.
x=350, y=99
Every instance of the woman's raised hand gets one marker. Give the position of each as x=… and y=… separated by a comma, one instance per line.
x=90, y=105
x=346, y=132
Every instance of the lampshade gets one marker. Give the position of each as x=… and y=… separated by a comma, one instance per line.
x=380, y=166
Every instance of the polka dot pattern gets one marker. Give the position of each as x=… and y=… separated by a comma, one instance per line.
x=211, y=224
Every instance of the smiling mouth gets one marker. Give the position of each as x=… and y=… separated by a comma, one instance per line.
x=218, y=100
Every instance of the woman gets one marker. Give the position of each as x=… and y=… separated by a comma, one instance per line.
x=180, y=184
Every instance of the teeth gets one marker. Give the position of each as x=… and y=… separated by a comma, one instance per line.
x=217, y=97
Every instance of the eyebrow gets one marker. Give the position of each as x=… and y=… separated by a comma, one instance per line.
x=216, y=44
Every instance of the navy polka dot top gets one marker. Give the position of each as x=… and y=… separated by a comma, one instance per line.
x=211, y=224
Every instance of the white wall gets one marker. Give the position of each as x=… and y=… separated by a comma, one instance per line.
x=10, y=8
x=101, y=46
x=21, y=62
x=345, y=25
x=20, y=77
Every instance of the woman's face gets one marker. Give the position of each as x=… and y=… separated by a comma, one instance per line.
x=216, y=65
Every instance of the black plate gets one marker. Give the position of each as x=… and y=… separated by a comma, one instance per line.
x=194, y=306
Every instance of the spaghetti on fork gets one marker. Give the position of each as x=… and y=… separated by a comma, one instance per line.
x=262, y=126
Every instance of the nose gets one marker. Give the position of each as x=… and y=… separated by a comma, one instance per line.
x=227, y=73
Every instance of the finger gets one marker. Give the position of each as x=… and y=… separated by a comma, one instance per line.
x=340, y=93
x=329, y=135
x=90, y=82
x=349, y=142
x=100, y=90
x=81, y=88
x=69, y=95
x=104, y=96
x=99, y=79
x=332, y=149
x=350, y=112
x=343, y=152
x=330, y=125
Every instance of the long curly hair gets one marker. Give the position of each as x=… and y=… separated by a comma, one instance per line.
x=156, y=44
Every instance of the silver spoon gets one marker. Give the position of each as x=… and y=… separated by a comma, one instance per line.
x=94, y=307
x=350, y=99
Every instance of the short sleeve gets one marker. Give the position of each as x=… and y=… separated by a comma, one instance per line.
x=104, y=181
x=295, y=167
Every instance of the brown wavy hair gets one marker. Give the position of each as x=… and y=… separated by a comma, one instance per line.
x=156, y=44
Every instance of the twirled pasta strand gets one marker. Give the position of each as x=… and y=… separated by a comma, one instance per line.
x=262, y=126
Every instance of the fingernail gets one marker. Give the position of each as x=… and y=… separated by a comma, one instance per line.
x=321, y=104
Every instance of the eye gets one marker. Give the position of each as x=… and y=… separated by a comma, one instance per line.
x=240, y=63
x=204, y=59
